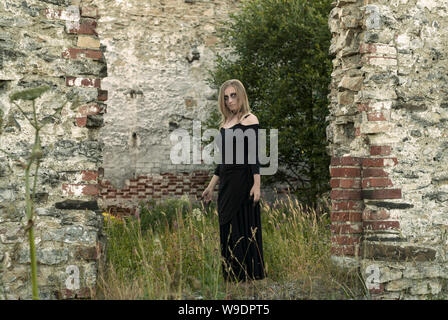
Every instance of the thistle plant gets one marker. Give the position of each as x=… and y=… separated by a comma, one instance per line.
x=33, y=159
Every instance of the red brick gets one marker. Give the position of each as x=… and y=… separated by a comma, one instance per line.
x=345, y=161
x=380, y=162
x=381, y=225
x=74, y=53
x=373, y=162
x=89, y=175
x=378, y=290
x=346, y=205
x=380, y=150
x=345, y=183
x=102, y=95
x=382, y=194
x=376, y=116
x=345, y=250
x=81, y=121
x=342, y=228
x=334, y=183
x=74, y=294
x=346, y=240
x=86, y=27
x=90, y=189
x=374, y=172
x=82, y=82
x=88, y=110
x=346, y=194
x=363, y=107
x=350, y=183
x=376, y=182
x=345, y=172
x=375, y=214
x=86, y=189
x=346, y=216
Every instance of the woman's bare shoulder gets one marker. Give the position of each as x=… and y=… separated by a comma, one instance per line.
x=250, y=119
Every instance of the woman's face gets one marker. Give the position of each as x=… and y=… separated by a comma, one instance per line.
x=231, y=99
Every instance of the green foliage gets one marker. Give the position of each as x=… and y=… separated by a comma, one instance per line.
x=158, y=215
x=280, y=53
x=29, y=94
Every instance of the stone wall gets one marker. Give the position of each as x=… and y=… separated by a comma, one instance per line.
x=388, y=138
x=158, y=55
x=51, y=43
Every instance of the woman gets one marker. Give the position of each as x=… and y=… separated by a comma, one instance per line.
x=239, y=189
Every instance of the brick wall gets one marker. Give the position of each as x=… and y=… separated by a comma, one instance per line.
x=154, y=187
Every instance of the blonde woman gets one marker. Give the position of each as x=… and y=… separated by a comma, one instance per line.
x=239, y=188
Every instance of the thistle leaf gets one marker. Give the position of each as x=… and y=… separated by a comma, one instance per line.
x=29, y=94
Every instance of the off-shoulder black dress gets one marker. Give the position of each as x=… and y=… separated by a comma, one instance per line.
x=239, y=216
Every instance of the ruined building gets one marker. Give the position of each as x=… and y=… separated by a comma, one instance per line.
x=125, y=73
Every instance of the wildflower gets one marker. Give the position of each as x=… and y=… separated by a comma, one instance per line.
x=197, y=214
x=185, y=198
x=111, y=218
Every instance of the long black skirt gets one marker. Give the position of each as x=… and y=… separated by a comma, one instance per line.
x=240, y=226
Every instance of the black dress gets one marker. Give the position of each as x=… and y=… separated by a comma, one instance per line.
x=239, y=217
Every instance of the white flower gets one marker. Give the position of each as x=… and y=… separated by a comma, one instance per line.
x=197, y=214
x=185, y=198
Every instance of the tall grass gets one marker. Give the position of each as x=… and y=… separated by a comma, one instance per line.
x=172, y=251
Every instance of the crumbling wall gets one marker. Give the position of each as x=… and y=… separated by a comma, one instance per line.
x=158, y=55
x=388, y=138
x=52, y=43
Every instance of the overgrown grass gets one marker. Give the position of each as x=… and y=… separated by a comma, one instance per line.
x=172, y=252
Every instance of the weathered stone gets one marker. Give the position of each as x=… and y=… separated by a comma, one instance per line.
x=77, y=205
x=432, y=287
x=47, y=256
x=398, y=285
x=391, y=205
x=398, y=253
x=94, y=121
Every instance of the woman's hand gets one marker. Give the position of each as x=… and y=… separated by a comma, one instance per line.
x=255, y=191
x=207, y=195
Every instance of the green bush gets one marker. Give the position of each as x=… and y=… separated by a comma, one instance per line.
x=280, y=52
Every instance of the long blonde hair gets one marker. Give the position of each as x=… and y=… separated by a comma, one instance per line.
x=242, y=99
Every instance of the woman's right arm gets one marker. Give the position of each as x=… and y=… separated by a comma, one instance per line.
x=215, y=178
x=207, y=195
x=213, y=182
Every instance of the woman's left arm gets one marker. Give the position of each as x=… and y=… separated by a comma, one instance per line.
x=255, y=168
x=255, y=191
